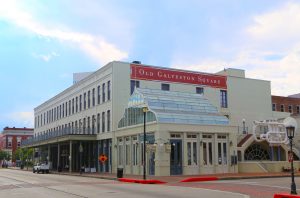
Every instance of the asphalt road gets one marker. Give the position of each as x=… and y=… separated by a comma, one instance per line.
x=255, y=188
x=16, y=184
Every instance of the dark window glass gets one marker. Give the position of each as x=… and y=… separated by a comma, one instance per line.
x=108, y=120
x=93, y=96
x=134, y=84
x=80, y=102
x=200, y=90
x=89, y=102
x=223, y=98
x=99, y=97
x=108, y=90
x=165, y=87
x=103, y=121
x=84, y=102
x=103, y=92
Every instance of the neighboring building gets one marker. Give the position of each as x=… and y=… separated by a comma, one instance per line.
x=11, y=138
x=289, y=104
x=94, y=117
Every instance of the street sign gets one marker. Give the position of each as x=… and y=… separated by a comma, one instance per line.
x=102, y=158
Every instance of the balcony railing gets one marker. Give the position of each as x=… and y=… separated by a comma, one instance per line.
x=58, y=133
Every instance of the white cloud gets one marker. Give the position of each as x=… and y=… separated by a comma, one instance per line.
x=45, y=57
x=95, y=46
x=271, y=51
x=22, y=119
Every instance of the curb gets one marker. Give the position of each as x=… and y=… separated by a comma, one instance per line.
x=141, y=181
x=285, y=195
x=199, y=179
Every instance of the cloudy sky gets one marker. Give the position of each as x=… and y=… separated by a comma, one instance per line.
x=42, y=43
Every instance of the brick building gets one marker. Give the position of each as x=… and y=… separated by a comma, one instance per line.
x=288, y=104
x=11, y=138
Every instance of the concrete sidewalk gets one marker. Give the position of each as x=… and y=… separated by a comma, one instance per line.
x=173, y=179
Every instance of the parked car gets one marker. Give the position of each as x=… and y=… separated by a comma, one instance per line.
x=43, y=167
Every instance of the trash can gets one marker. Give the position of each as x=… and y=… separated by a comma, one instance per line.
x=120, y=173
x=22, y=166
x=59, y=169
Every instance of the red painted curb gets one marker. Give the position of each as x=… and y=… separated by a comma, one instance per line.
x=141, y=181
x=197, y=179
x=285, y=195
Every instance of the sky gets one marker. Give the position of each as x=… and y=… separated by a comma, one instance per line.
x=42, y=43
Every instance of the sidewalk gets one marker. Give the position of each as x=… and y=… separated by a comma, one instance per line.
x=173, y=179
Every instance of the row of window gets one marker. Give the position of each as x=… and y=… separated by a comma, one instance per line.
x=290, y=109
x=199, y=90
x=82, y=102
x=9, y=142
x=89, y=125
x=128, y=153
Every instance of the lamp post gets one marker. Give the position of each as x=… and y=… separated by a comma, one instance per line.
x=244, y=127
x=80, y=156
x=145, y=109
x=290, y=131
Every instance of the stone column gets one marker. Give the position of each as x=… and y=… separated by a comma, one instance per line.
x=70, y=157
x=58, y=156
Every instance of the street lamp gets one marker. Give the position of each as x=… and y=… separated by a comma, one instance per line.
x=290, y=131
x=80, y=156
x=145, y=109
x=244, y=127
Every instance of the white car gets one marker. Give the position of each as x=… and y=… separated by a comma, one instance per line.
x=44, y=168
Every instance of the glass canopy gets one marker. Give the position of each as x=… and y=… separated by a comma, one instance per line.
x=170, y=107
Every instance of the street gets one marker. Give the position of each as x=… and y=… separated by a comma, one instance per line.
x=255, y=188
x=16, y=183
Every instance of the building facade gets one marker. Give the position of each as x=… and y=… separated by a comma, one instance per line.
x=12, y=138
x=81, y=123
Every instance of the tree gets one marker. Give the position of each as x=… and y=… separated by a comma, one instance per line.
x=23, y=154
x=4, y=155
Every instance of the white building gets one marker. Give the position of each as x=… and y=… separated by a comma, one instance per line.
x=90, y=115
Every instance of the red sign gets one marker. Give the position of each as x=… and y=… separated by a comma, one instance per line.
x=102, y=158
x=153, y=73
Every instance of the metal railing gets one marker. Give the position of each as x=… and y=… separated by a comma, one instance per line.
x=58, y=133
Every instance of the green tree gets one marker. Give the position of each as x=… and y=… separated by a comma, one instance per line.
x=4, y=155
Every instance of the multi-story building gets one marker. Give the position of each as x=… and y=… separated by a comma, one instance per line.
x=11, y=138
x=194, y=122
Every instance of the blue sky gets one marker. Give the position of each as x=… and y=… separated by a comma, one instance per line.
x=42, y=43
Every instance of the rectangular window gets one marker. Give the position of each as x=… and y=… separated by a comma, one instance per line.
x=103, y=122
x=73, y=106
x=76, y=104
x=108, y=90
x=282, y=108
x=165, y=87
x=66, y=106
x=70, y=107
x=127, y=150
x=80, y=102
x=134, y=84
x=84, y=101
x=108, y=120
x=99, y=97
x=93, y=96
x=103, y=92
x=59, y=111
x=200, y=90
x=98, y=123
x=298, y=109
x=273, y=107
x=89, y=101
x=223, y=98
x=120, y=152
x=9, y=142
x=290, y=108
